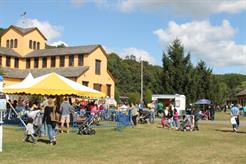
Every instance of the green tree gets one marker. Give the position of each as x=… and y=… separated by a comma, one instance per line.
x=177, y=70
x=133, y=97
x=126, y=73
x=147, y=96
x=241, y=87
x=204, y=81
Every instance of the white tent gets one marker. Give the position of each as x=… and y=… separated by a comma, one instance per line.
x=23, y=84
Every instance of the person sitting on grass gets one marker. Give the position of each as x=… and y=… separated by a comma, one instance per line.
x=29, y=131
x=184, y=123
x=164, y=122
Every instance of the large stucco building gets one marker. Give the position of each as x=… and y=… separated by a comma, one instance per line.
x=22, y=50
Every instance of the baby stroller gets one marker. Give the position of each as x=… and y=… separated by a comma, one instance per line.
x=144, y=116
x=84, y=126
x=187, y=124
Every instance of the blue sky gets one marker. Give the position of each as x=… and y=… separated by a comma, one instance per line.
x=211, y=30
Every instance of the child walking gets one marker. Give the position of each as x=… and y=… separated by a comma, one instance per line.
x=29, y=131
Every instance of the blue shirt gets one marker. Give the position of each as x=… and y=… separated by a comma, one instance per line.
x=235, y=111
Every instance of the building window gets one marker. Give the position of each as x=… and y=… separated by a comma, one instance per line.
x=109, y=90
x=0, y=61
x=7, y=44
x=44, y=62
x=15, y=43
x=30, y=44
x=62, y=61
x=98, y=67
x=36, y=62
x=28, y=63
x=38, y=46
x=34, y=45
x=8, y=61
x=97, y=87
x=11, y=43
x=16, y=62
x=71, y=60
x=53, y=61
x=85, y=83
x=81, y=60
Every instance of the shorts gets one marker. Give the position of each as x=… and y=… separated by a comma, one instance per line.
x=65, y=119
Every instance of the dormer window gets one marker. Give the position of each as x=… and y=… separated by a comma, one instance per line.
x=7, y=44
x=11, y=43
x=98, y=67
x=38, y=45
x=15, y=43
x=34, y=45
x=30, y=44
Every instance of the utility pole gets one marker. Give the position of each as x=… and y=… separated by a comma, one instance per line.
x=141, y=79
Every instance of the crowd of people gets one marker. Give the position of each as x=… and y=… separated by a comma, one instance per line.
x=46, y=117
x=50, y=116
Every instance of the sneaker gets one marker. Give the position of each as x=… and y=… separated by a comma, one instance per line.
x=53, y=142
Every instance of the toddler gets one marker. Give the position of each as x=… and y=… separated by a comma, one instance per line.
x=164, y=122
x=29, y=131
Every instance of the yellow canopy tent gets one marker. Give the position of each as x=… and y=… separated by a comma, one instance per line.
x=55, y=85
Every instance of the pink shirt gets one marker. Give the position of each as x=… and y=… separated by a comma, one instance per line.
x=176, y=116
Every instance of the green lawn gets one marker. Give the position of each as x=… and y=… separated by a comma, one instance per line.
x=143, y=144
x=225, y=116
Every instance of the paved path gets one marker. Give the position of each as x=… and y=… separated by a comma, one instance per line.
x=242, y=123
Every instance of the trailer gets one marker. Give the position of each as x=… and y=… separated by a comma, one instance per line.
x=178, y=101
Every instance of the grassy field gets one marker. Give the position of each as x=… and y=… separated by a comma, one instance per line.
x=142, y=144
x=225, y=116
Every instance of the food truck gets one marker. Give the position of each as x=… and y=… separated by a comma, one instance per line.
x=178, y=101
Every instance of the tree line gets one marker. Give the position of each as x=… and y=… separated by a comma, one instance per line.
x=176, y=76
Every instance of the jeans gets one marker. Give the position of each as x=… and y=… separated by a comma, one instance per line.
x=51, y=132
x=44, y=129
x=152, y=116
x=176, y=123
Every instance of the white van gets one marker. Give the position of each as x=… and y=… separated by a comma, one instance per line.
x=178, y=101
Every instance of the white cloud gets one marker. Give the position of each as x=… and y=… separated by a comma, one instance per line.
x=57, y=43
x=138, y=53
x=213, y=44
x=50, y=31
x=197, y=7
